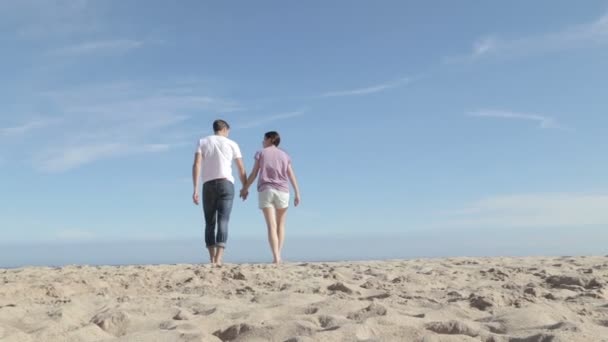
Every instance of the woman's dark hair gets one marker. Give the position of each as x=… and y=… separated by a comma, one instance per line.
x=274, y=137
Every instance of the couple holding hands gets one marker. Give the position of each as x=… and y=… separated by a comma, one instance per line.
x=213, y=161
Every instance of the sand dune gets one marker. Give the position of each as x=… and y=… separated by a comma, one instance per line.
x=459, y=299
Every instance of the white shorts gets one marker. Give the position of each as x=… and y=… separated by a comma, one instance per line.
x=272, y=198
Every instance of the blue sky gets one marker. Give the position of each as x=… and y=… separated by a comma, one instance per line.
x=400, y=116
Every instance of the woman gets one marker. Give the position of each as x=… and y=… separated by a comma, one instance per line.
x=274, y=168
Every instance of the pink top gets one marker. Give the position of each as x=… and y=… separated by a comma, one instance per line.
x=274, y=163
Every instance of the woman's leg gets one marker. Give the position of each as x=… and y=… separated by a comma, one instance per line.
x=273, y=240
x=281, y=217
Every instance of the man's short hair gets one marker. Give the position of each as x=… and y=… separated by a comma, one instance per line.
x=219, y=125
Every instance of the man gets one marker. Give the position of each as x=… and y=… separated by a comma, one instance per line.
x=216, y=153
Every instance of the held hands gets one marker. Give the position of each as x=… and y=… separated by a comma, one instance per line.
x=196, y=198
x=244, y=193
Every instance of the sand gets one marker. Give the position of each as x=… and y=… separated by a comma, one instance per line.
x=535, y=299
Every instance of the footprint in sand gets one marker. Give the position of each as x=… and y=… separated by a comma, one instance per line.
x=534, y=338
x=373, y=310
x=203, y=311
x=550, y=296
x=233, y=332
x=454, y=296
x=399, y=280
x=340, y=287
x=238, y=276
x=370, y=284
x=383, y=295
x=496, y=328
x=299, y=339
x=187, y=327
x=182, y=315
x=114, y=322
x=603, y=323
x=573, y=282
x=479, y=302
x=452, y=328
x=167, y=325
x=244, y=290
x=328, y=323
x=531, y=291
x=422, y=315
x=311, y=310
x=564, y=326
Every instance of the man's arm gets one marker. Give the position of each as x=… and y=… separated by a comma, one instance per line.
x=196, y=176
x=252, y=176
x=242, y=173
x=294, y=183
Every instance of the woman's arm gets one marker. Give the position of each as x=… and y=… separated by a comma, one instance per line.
x=252, y=176
x=294, y=183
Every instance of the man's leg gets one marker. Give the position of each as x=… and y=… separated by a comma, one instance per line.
x=211, y=250
x=210, y=210
x=273, y=240
x=219, y=255
x=224, y=209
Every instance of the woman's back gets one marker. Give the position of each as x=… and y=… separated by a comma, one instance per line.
x=274, y=165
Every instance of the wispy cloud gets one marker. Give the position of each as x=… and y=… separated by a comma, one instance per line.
x=370, y=89
x=542, y=120
x=116, y=46
x=531, y=210
x=69, y=157
x=269, y=119
x=34, y=19
x=106, y=121
x=483, y=46
x=26, y=127
x=589, y=34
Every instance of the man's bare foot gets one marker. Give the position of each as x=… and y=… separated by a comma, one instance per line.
x=211, y=255
x=219, y=255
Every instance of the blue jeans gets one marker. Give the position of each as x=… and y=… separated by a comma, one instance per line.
x=218, y=195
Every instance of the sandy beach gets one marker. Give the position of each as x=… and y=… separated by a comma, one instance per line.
x=535, y=299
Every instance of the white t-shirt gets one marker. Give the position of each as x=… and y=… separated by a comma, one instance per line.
x=218, y=152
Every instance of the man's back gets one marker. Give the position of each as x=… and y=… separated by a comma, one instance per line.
x=217, y=152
